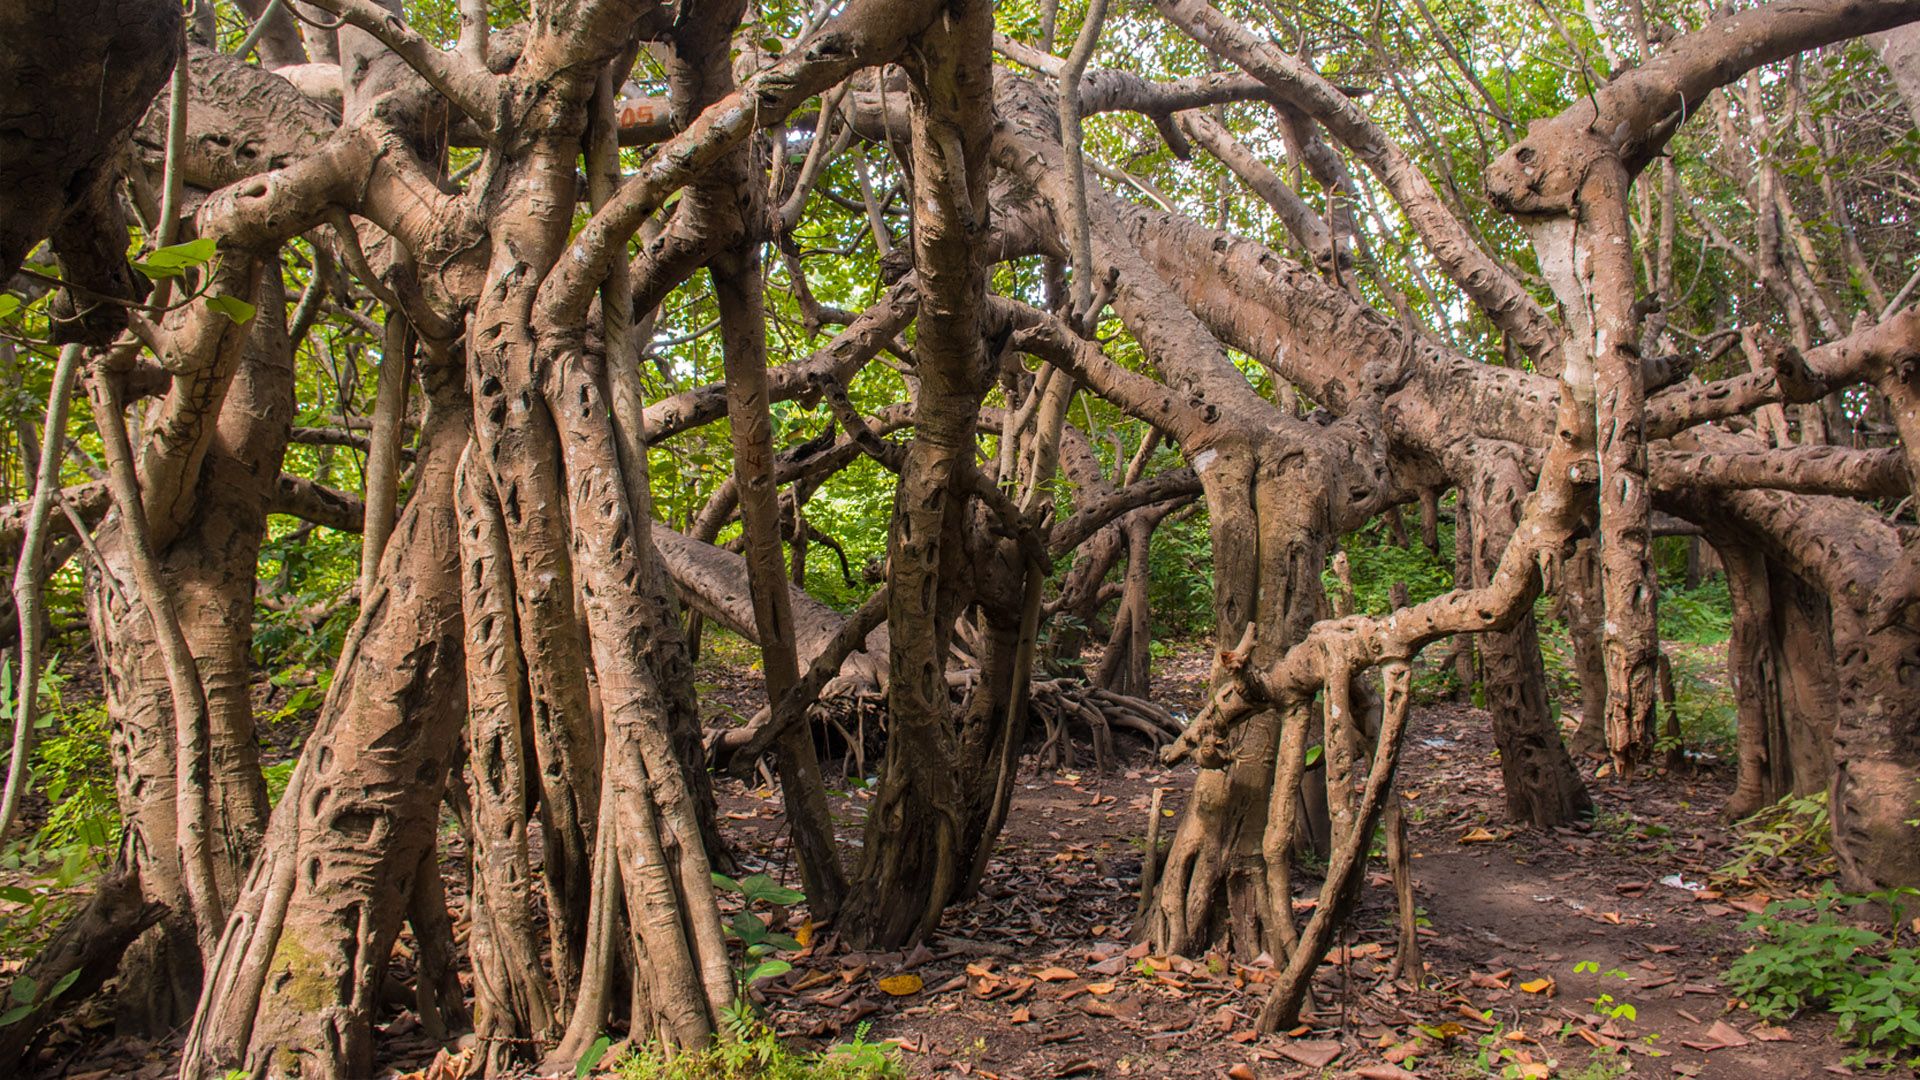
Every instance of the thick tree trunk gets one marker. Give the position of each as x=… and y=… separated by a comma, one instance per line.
x=210, y=570
x=292, y=990
x=1580, y=609
x=1543, y=789
x=916, y=858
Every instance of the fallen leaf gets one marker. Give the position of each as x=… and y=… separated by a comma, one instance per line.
x=1313, y=1053
x=1246, y=1036
x=1242, y=1071
x=1411, y=1049
x=804, y=934
x=1726, y=1034
x=1100, y=988
x=1477, y=835
x=1384, y=1072
x=901, y=985
x=1021, y=1015
x=1054, y=974
x=1772, y=1033
x=1538, y=986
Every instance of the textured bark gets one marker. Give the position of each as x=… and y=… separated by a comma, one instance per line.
x=915, y=859
x=210, y=571
x=1543, y=788
x=75, y=78
x=305, y=954
x=513, y=1002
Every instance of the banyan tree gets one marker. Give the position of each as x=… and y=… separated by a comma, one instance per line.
x=911, y=220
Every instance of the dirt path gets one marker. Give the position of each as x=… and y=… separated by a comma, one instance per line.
x=1525, y=932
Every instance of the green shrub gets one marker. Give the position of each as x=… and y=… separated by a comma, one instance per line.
x=1828, y=964
x=753, y=1052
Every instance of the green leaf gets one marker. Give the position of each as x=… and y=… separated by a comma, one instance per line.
x=767, y=969
x=169, y=262
x=16, y=894
x=232, y=307
x=749, y=928
x=9, y=304
x=763, y=888
x=1313, y=754
x=592, y=1057
x=722, y=881
x=25, y=989
x=61, y=986
x=15, y=1015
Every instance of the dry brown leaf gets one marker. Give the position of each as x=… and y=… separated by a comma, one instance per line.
x=1242, y=1071
x=1726, y=1034
x=901, y=985
x=1477, y=835
x=1313, y=1053
x=1054, y=974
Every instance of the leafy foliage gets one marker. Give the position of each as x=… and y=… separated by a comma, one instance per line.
x=752, y=1052
x=1795, y=828
x=1831, y=964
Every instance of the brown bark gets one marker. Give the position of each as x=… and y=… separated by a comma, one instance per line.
x=290, y=992
x=75, y=80
x=915, y=858
x=513, y=1002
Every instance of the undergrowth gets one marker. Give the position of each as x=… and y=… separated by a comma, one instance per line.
x=753, y=1052
x=1861, y=976
x=1792, y=833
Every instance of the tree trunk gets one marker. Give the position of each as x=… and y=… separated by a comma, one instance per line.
x=210, y=570
x=305, y=955
x=1543, y=788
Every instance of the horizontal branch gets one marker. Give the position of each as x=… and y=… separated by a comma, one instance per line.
x=1633, y=116
x=1485, y=281
x=297, y=496
x=1180, y=483
x=1810, y=470
x=90, y=502
x=839, y=359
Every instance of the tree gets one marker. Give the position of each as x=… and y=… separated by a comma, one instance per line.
x=452, y=197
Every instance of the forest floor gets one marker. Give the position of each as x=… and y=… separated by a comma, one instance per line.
x=1531, y=941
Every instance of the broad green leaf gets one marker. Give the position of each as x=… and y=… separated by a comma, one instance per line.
x=592, y=1057
x=749, y=928
x=16, y=894
x=61, y=986
x=767, y=969
x=24, y=989
x=763, y=888
x=15, y=1015
x=169, y=262
x=232, y=307
x=722, y=881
